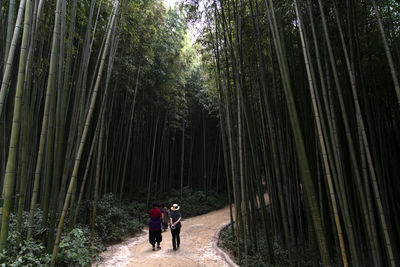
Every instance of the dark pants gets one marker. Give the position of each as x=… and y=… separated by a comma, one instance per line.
x=155, y=236
x=165, y=226
x=176, y=240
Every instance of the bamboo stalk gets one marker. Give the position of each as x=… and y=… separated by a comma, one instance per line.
x=10, y=58
x=300, y=149
x=84, y=136
x=43, y=134
x=11, y=168
x=393, y=71
x=321, y=138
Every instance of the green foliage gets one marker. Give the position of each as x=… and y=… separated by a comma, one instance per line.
x=195, y=203
x=116, y=220
x=25, y=253
x=260, y=259
x=75, y=247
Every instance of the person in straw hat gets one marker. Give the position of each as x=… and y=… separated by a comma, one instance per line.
x=175, y=220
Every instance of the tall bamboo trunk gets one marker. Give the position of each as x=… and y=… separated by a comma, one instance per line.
x=11, y=168
x=321, y=137
x=371, y=168
x=96, y=187
x=43, y=134
x=370, y=230
x=298, y=136
x=393, y=71
x=131, y=119
x=10, y=29
x=10, y=57
x=84, y=136
x=182, y=154
x=152, y=162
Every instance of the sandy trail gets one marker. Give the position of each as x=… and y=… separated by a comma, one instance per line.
x=198, y=237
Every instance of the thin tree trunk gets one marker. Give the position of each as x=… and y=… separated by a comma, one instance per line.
x=96, y=188
x=129, y=134
x=152, y=162
x=84, y=136
x=182, y=154
x=301, y=153
x=11, y=168
x=388, y=54
x=370, y=165
x=10, y=58
x=43, y=134
x=321, y=138
x=10, y=29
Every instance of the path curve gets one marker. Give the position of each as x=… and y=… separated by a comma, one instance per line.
x=198, y=246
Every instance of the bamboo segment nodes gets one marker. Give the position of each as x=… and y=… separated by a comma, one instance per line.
x=10, y=58
x=84, y=135
x=50, y=91
x=11, y=168
x=322, y=142
x=301, y=153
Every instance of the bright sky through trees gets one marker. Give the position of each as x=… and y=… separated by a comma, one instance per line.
x=170, y=3
x=194, y=29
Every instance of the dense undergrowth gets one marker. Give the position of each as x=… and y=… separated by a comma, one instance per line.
x=115, y=220
x=260, y=259
x=195, y=203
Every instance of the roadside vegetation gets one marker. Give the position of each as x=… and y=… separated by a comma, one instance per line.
x=115, y=221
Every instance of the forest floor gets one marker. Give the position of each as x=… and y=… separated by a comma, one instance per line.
x=198, y=246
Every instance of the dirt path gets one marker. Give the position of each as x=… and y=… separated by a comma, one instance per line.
x=198, y=246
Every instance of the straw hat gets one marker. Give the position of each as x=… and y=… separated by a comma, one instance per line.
x=175, y=207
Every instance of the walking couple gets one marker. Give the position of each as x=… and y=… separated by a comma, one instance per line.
x=158, y=220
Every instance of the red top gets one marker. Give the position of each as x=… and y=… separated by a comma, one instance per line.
x=155, y=219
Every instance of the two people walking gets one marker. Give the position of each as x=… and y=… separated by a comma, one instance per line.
x=159, y=216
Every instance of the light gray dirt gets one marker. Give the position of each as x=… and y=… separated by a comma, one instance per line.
x=198, y=246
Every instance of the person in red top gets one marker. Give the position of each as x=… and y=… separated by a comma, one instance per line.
x=155, y=226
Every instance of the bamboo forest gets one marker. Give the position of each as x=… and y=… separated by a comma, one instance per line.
x=271, y=128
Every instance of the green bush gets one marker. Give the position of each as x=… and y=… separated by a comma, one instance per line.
x=22, y=252
x=195, y=203
x=25, y=253
x=259, y=259
x=38, y=231
x=307, y=256
x=75, y=247
x=116, y=220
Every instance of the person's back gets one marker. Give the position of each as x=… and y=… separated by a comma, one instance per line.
x=165, y=216
x=155, y=226
x=175, y=215
x=155, y=219
x=175, y=220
